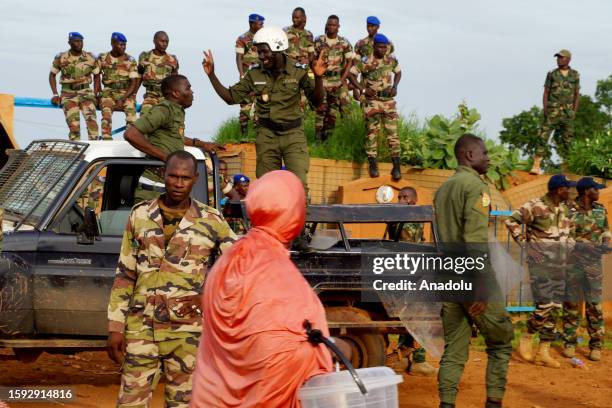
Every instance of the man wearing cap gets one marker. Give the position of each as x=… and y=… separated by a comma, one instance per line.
x=365, y=46
x=154, y=66
x=560, y=104
x=77, y=68
x=246, y=55
x=380, y=75
x=241, y=185
x=585, y=278
x=120, y=80
x=301, y=41
x=549, y=232
x=338, y=52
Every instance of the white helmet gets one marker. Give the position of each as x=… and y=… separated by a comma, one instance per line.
x=275, y=37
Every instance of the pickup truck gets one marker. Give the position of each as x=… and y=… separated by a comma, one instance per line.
x=66, y=204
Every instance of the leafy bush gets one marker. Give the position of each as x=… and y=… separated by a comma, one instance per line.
x=592, y=156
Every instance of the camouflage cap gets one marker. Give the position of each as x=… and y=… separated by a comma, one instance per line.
x=564, y=53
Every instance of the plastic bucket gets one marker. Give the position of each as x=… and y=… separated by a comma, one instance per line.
x=338, y=389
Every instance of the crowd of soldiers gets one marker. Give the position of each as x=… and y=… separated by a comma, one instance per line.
x=281, y=72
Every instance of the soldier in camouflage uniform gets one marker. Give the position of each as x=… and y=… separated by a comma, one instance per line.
x=338, y=52
x=585, y=278
x=411, y=232
x=154, y=307
x=380, y=76
x=549, y=236
x=246, y=56
x=301, y=41
x=154, y=66
x=120, y=80
x=365, y=46
x=76, y=67
x=560, y=100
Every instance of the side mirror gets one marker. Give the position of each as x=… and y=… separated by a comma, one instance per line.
x=88, y=232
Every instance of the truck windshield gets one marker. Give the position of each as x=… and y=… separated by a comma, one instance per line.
x=33, y=177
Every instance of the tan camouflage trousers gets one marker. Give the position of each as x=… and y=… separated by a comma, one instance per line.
x=381, y=115
x=83, y=101
x=548, y=288
x=150, y=100
x=111, y=101
x=559, y=121
x=327, y=112
x=143, y=361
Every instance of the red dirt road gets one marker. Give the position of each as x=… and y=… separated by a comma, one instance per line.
x=95, y=380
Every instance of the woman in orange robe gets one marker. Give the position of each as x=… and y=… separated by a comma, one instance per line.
x=254, y=351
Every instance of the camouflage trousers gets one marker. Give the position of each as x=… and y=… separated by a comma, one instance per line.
x=109, y=102
x=150, y=100
x=83, y=101
x=141, y=368
x=407, y=341
x=245, y=112
x=585, y=280
x=381, y=115
x=560, y=121
x=326, y=113
x=548, y=283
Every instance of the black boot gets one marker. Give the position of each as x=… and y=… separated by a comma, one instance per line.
x=244, y=131
x=396, y=172
x=445, y=405
x=373, y=166
x=493, y=403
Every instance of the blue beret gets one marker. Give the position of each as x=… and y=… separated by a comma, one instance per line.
x=254, y=18
x=119, y=37
x=587, y=182
x=373, y=20
x=381, y=39
x=241, y=178
x=559, y=180
x=73, y=35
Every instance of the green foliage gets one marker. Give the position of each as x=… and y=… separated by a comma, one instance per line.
x=521, y=131
x=592, y=156
x=590, y=118
x=603, y=94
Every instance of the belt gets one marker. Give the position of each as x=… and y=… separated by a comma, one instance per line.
x=332, y=73
x=152, y=86
x=118, y=85
x=383, y=94
x=276, y=126
x=76, y=87
x=151, y=185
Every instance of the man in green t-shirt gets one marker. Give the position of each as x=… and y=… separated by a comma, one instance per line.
x=161, y=131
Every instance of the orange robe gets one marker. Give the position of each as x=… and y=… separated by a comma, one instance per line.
x=254, y=351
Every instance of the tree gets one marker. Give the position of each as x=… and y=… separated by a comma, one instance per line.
x=603, y=95
x=522, y=131
x=590, y=118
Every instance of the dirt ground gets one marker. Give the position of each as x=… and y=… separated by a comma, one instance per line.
x=95, y=380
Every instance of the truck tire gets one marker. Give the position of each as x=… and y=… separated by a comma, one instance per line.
x=367, y=345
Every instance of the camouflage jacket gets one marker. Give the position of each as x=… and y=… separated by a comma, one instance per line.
x=543, y=222
x=562, y=89
x=339, y=53
x=117, y=70
x=245, y=46
x=410, y=232
x=154, y=68
x=75, y=69
x=151, y=276
x=301, y=43
x=591, y=225
x=365, y=48
x=377, y=74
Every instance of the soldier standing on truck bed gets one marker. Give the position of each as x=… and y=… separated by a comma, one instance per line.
x=120, y=80
x=161, y=131
x=154, y=66
x=77, y=68
x=560, y=104
x=380, y=75
x=338, y=52
x=154, y=313
x=462, y=206
x=246, y=56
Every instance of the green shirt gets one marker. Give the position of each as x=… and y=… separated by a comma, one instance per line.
x=277, y=99
x=462, y=208
x=562, y=89
x=164, y=126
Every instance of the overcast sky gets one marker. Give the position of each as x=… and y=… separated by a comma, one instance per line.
x=492, y=54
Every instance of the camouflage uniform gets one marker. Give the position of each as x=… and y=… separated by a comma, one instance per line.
x=245, y=47
x=339, y=53
x=151, y=276
x=365, y=48
x=552, y=230
x=586, y=275
x=380, y=112
x=560, y=114
x=301, y=43
x=77, y=95
x=154, y=68
x=117, y=74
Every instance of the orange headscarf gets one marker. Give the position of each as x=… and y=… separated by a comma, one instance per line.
x=254, y=351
